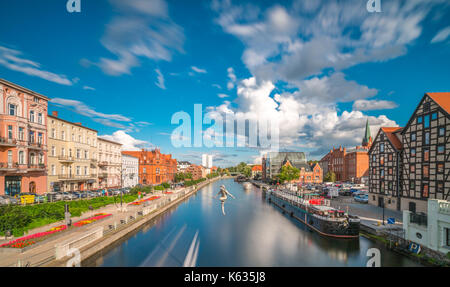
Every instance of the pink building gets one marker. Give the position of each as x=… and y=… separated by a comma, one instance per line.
x=23, y=140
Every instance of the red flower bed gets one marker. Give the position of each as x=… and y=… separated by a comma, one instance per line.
x=139, y=202
x=90, y=220
x=27, y=240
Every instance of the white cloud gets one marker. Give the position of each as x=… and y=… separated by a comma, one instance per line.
x=222, y=96
x=13, y=60
x=128, y=142
x=441, y=35
x=231, y=78
x=160, y=82
x=199, y=70
x=88, y=88
x=141, y=29
x=370, y=105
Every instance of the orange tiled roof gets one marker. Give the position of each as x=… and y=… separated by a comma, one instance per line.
x=257, y=168
x=393, y=138
x=442, y=99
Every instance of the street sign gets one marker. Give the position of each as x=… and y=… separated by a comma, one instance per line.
x=391, y=220
x=414, y=248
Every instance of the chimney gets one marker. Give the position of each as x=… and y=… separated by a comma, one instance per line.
x=55, y=114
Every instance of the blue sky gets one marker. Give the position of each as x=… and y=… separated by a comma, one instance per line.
x=321, y=67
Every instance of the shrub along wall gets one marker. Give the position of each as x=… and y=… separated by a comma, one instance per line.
x=20, y=219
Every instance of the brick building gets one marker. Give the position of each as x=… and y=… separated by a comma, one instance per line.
x=23, y=140
x=154, y=167
x=311, y=174
x=196, y=171
x=349, y=164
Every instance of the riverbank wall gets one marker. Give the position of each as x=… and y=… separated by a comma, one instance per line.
x=115, y=233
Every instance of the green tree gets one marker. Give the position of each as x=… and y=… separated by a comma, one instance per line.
x=330, y=177
x=288, y=173
x=247, y=171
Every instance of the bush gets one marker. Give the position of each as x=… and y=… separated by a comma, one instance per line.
x=20, y=219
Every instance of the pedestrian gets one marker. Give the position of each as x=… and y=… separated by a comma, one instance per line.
x=139, y=195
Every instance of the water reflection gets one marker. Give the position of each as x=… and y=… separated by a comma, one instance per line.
x=254, y=233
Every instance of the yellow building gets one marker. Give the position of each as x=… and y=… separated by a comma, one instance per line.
x=109, y=163
x=72, y=156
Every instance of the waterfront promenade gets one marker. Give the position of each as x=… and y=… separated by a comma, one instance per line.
x=121, y=222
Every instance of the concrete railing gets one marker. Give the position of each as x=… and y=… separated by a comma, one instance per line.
x=62, y=249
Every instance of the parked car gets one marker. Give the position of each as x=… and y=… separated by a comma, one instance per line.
x=362, y=198
x=53, y=196
x=40, y=199
x=68, y=196
x=4, y=201
x=345, y=191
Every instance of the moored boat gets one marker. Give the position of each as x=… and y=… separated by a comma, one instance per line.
x=311, y=210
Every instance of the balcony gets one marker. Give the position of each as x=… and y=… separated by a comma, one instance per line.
x=66, y=159
x=6, y=142
x=7, y=166
x=103, y=175
x=76, y=176
x=35, y=145
x=102, y=163
x=36, y=167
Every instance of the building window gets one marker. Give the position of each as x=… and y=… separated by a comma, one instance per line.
x=434, y=116
x=12, y=109
x=412, y=168
x=440, y=168
x=419, y=120
x=440, y=187
x=78, y=170
x=390, y=185
x=413, y=137
x=413, y=152
x=426, y=154
x=53, y=150
x=382, y=173
x=426, y=171
x=53, y=169
x=426, y=122
x=21, y=157
x=40, y=138
x=32, y=116
x=36, y=99
x=390, y=171
x=381, y=147
x=427, y=138
x=144, y=170
x=41, y=158
x=390, y=157
x=31, y=137
x=85, y=170
x=86, y=154
x=10, y=132
x=10, y=157
x=40, y=118
x=441, y=131
x=374, y=158
x=447, y=231
x=382, y=160
x=425, y=190
x=426, y=107
x=441, y=149
x=412, y=185
x=78, y=153
x=382, y=187
x=21, y=133
x=63, y=135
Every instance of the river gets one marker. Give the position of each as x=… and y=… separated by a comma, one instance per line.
x=252, y=233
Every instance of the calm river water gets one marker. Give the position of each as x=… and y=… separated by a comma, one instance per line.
x=252, y=233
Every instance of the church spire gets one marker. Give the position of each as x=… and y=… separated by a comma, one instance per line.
x=367, y=140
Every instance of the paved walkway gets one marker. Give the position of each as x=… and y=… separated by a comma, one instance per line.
x=45, y=250
x=370, y=215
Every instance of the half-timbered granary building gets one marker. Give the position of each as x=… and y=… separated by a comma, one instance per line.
x=385, y=168
x=426, y=162
x=410, y=165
